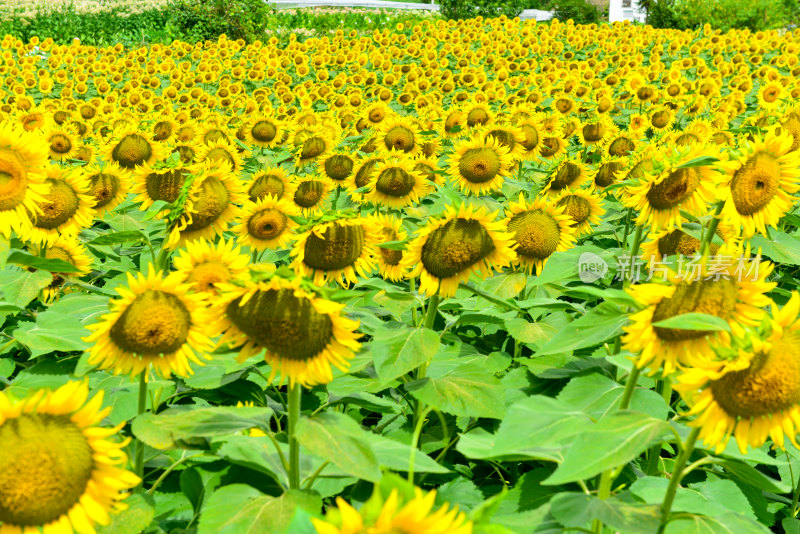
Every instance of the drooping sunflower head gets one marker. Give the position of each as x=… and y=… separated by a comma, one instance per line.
x=734, y=291
x=60, y=471
x=338, y=251
x=677, y=242
x=449, y=250
x=622, y=144
x=538, y=229
x=165, y=129
x=157, y=323
x=23, y=166
x=154, y=183
x=595, y=132
x=396, y=183
x=531, y=141
x=311, y=193
x=67, y=208
x=565, y=174
x=399, y=134
x=479, y=165
x=270, y=181
x=205, y=265
x=263, y=131
x=390, y=259
x=221, y=152
x=311, y=143
x=661, y=118
x=761, y=179
x=108, y=185
x=301, y=334
x=511, y=137
x=129, y=148
x=266, y=223
x=477, y=114
x=70, y=250
x=338, y=165
x=584, y=208
x=610, y=169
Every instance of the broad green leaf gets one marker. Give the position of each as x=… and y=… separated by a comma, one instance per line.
x=562, y=267
x=695, y=321
x=578, y=510
x=466, y=391
x=137, y=515
x=598, y=325
x=21, y=287
x=395, y=456
x=505, y=286
x=87, y=308
x=597, y=395
x=780, y=247
x=177, y=426
x=750, y=475
x=614, y=441
x=339, y=439
x=400, y=350
x=116, y=238
x=51, y=332
x=713, y=498
x=53, y=265
x=725, y=524
x=242, y=509
x=702, y=161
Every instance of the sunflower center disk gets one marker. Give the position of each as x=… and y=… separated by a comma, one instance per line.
x=13, y=181
x=456, y=246
x=755, y=183
x=156, y=322
x=312, y=147
x=363, y=174
x=45, y=466
x=212, y=136
x=165, y=186
x=132, y=150
x=607, y=173
x=266, y=185
x=308, y=194
x=263, y=131
x=286, y=325
x=162, y=130
x=769, y=385
x=205, y=275
x=389, y=256
x=531, y=140
x=479, y=165
x=399, y=138
x=213, y=200
x=60, y=144
x=536, y=233
x=621, y=147
x=661, y=119
x=713, y=297
x=576, y=207
x=674, y=189
x=565, y=176
x=103, y=188
x=593, y=132
x=267, y=224
x=220, y=154
x=477, y=116
x=395, y=182
x=338, y=167
x=61, y=205
x=426, y=171
x=339, y=247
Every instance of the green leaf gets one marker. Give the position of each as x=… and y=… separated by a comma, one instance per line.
x=53, y=265
x=394, y=245
x=702, y=161
x=577, y=510
x=136, y=517
x=466, y=391
x=21, y=287
x=337, y=438
x=596, y=326
x=614, y=441
x=780, y=247
x=725, y=524
x=51, y=332
x=399, y=350
x=695, y=321
x=176, y=426
x=117, y=238
x=242, y=509
x=395, y=456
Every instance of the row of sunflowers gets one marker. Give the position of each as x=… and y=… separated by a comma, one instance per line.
x=476, y=276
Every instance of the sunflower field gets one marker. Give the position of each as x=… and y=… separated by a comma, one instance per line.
x=485, y=276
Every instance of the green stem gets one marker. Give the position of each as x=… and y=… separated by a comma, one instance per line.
x=603, y=492
x=139, y=461
x=796, y=492
x=433, y=308
x=708, y=236
x=163, y=260
x=491, y=298
x=412, y=285
x=677, y=475
x=295, y=392
x=336, y=198
x=415, y=440
x=169, y=470
x=310, y=481
x=664, y=387
x=630, y=386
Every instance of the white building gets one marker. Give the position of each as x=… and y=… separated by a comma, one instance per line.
x=625, y=10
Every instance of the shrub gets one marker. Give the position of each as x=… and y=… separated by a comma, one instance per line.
x=725, y=15
x=465, y=9
x=207, y=19
x=578, y=10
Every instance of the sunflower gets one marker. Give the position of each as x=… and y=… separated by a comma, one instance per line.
x=221, y=151
x=311, y=143
x=734, y=292
x=336, y=251
x=609, y=170
x=414, y=516
x=566, y=174
x=770, y=95
x=479, y=165
x=59, y=472
x=389, y=260
x=62, y=141
x=395, y=183
x=266, y=223
x=67, y=208
x=552, y=147
x=760, y=182
x=264, y=131
x=622, y=144
x=216, y=196
x=165, y=129
x=670, y=187
x=511, y=137
x=362, y=176
x=677, y=242
x=448, y=250
x=158, y=322
x=108, y=185
x=478, y=114
x=23, y=179
x=151, y=184
x=128, y=147
x=203, y=265
x=399, y=134
x=68, y=249
x=584, y=208
x=338, y=166
x=270, y=181
x=661, y=119
x=301, y=334
x=595, y=132
x=538, y=229
x=310, y=193
x=532, y=138
x=757, y=398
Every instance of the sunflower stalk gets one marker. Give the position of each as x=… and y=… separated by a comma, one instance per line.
x=139, y=462
x=494, y=300
x=295, y=392
x=677, y=475
x=708, y=236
